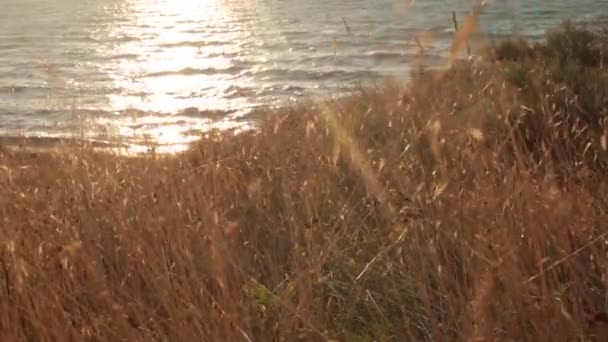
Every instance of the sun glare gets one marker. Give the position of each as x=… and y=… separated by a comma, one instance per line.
x=179, y=63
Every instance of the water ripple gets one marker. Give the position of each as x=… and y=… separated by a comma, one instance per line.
x=136, y=69
x=195, y=71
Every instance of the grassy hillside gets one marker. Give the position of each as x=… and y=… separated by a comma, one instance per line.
x=470, y=204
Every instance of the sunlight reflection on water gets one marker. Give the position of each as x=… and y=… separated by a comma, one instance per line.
x=166, y=71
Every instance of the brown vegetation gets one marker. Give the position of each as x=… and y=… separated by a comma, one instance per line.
x=469, y=205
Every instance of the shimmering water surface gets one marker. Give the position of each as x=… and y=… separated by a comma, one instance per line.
x=162, y=71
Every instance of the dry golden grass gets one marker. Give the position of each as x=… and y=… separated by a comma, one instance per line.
x=469, y=205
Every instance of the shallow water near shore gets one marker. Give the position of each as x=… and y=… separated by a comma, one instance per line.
x=160, y=72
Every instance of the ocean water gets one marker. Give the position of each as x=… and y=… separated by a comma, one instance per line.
x=164, y=71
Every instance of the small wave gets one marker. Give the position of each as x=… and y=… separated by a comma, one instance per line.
x=224, y=54
x=281, y=90
x=291, y=87
x=384, y=55
x=235, y=91
x=195, y=71
x=47, y=116
x=316, y=75
x=196, y=31
x=191, y=43
x=124, y=39
x=125, y=56
x=296, y=34
x=350, y=75
x=193, y=112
